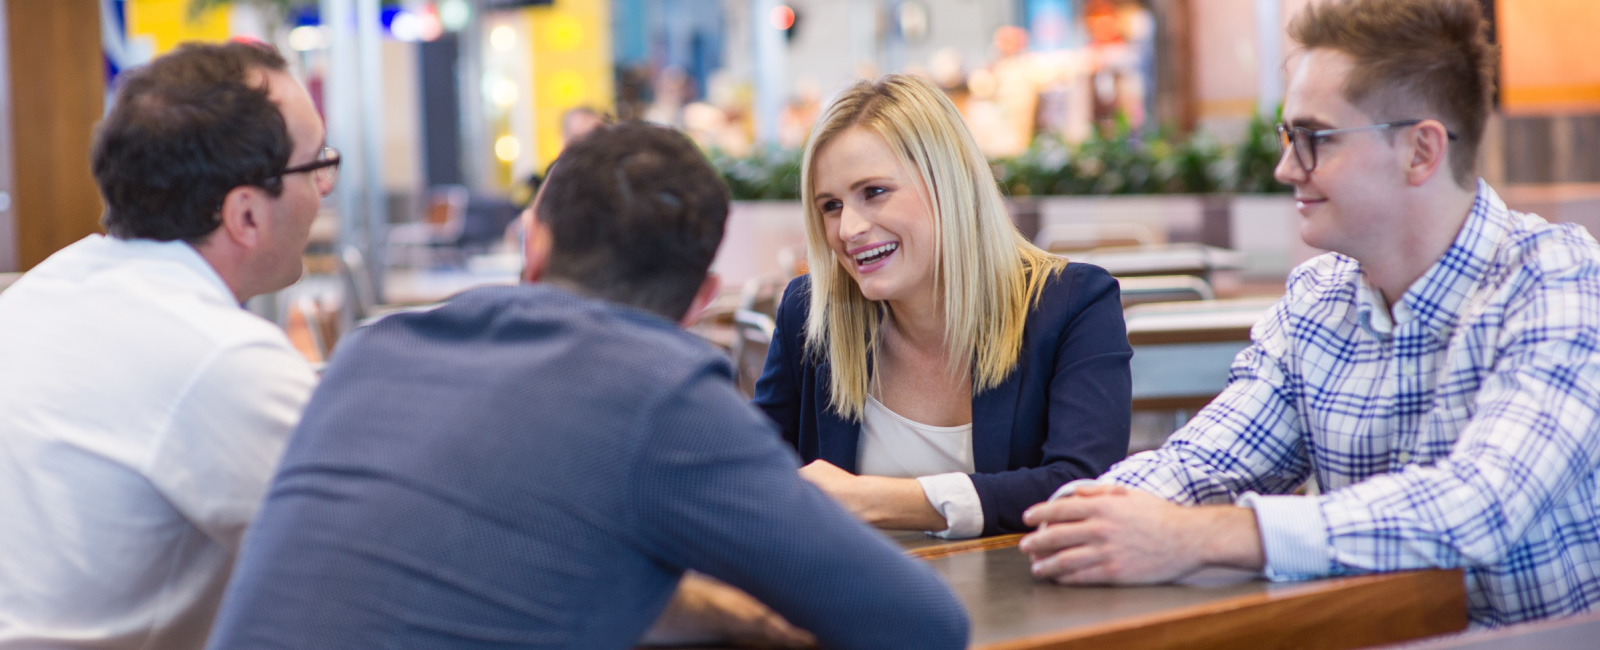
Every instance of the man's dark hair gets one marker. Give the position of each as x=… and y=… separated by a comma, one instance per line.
x=183, y=131
x=636, y=214
x=1414, y=59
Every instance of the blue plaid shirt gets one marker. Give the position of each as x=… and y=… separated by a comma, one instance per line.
x=1462, y=432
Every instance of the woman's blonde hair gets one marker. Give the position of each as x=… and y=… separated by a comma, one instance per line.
x=987, y=272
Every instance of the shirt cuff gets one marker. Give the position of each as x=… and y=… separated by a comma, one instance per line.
x=1070, y=487
x=1294, y=536
x=954, y=496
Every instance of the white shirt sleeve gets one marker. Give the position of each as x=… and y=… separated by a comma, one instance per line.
x=1070, y=487
x=226, y=434
x=954, y=496
x=1294, y=535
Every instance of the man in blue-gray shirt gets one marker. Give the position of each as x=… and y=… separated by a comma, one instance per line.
x=537, y=466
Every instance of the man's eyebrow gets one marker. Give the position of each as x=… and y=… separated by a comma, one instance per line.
x=1310, y=123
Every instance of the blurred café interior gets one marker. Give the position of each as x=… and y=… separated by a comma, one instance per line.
x=1133, y=134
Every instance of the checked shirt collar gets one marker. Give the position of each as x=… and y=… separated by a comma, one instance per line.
x=1436, y=298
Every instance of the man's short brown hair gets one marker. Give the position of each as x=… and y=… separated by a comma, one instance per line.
x=183, y=131
x=1414, y=59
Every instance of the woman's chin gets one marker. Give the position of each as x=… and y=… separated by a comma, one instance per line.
x=877, y=292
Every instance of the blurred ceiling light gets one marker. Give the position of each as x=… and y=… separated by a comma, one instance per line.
x=406, y=27
x=505, y=92
x=454, y=14
x=306, y=38
x=503, y=38
x=782, y=17
x=432, y=28
x=506, y=148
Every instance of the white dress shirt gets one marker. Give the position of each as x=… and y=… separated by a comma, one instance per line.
x=144, y=412
x=940, y=458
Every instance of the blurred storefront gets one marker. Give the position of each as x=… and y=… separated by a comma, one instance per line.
x=425, y=96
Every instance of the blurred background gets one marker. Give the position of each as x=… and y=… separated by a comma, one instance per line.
x=1133, y=133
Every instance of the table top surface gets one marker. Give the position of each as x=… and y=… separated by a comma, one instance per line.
x=1161, y=258
x=1012, y=609
x=1195, y=321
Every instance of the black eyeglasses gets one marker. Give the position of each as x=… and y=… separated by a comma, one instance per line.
x=325, y=170
x=1304, y=141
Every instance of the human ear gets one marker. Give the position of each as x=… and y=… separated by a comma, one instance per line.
x=702, y=298
x=243, y=215
x=1430, y=151
x=536, y=244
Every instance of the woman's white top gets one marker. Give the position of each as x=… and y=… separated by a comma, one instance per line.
x=940, y=458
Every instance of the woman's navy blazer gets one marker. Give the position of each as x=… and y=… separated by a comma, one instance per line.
x=1062, y=413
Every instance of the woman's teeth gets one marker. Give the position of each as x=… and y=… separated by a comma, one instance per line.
x=875, y=253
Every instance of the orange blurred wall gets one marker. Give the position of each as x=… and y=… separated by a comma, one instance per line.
x=1549, y=63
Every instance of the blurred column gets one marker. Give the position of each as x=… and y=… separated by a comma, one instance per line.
x=477, y=161
x=1269, y=57
x=369, y=23
x=352, y=98
x=772, y=81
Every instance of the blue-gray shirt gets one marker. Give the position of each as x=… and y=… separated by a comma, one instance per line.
x=525, y=467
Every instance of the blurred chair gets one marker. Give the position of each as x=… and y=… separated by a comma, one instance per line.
x=763, y=294
x=484, y=222
x=752, y=336
x=360, y=292
x=305, y=324
x=1163, y=288
x=1075, y=237
x=441, y=226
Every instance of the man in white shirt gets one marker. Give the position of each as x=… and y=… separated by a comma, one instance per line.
x=144, y=409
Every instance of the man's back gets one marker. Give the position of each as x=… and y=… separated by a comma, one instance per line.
x=526, y=466
x=144, y=414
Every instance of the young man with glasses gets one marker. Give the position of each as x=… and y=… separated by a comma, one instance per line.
x=144, y=410
x=1437, y=376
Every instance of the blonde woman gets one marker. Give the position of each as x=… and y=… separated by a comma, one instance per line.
x=935, y=370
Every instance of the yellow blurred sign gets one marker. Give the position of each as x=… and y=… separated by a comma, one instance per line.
x=165, y=23
x=571, y=66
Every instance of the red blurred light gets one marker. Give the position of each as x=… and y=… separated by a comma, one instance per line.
x=782, y=17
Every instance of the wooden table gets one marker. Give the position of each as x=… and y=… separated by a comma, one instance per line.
x=1011, y=610
x=1198, y=260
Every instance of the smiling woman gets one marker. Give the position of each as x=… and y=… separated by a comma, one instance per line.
x=936, y=370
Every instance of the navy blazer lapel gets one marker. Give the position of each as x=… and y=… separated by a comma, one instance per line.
x=838, y=438
x=994, y=413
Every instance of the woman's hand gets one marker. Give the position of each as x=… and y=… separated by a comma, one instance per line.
x=896, y=503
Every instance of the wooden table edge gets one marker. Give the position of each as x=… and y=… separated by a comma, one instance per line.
x=966, y=546
x=1203, y=626
x=1225, y=334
